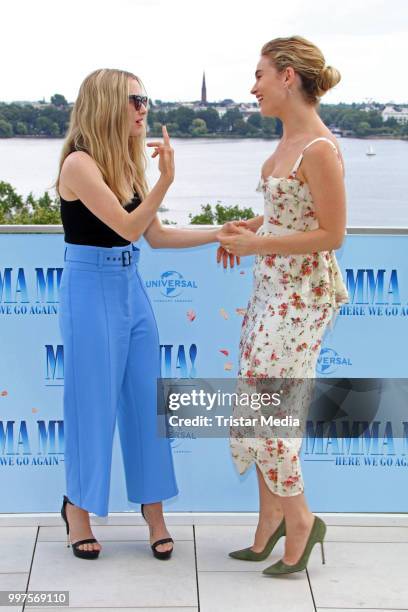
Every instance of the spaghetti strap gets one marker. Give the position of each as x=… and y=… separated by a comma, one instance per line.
x=299, y=159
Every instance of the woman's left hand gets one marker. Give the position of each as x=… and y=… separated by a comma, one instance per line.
x=239, y=242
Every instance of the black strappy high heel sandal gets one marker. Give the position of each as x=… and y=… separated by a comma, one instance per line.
x=82, y=554
x=165, y=554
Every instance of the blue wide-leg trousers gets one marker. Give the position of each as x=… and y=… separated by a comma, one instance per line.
x=111, y=366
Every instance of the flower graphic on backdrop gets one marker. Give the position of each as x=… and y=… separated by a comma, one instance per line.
x=224, y=313
x=191, y=315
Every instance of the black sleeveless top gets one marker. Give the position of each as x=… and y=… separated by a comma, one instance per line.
x=81, y=226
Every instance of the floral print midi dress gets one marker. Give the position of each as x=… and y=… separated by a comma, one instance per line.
x=294, y=298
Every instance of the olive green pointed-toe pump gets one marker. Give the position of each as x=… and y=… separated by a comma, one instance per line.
x=316, y=535
x=247, y=554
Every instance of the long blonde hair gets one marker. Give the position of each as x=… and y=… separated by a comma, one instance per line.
x=99, y=125
x=307, y=60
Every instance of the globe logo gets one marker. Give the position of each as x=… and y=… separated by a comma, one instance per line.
x=328, y=361
x=171, y=285
x=175, y=442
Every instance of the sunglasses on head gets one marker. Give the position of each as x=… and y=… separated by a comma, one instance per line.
x=138, y=101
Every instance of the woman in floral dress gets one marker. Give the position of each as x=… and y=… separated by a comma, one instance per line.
x=297, y=287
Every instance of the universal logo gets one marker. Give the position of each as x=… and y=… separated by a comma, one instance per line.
x=172, y=284
x=329, y=361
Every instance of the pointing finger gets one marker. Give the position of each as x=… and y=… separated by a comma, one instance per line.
x=165, y=135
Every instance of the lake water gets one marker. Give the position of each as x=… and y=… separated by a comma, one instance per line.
x=228, y=171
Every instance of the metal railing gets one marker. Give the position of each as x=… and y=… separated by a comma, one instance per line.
x=57, y=229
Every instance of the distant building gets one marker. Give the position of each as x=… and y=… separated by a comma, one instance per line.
x=203, y=91
x=221, y=110
x=247, y=109
x=397, y=113
x=39, y=104
x=371, y=107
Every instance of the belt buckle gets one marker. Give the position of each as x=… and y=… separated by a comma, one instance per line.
x=126, y=260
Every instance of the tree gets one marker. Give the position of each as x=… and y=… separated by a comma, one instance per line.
x=184, y=117
x=206, y=217
x=14, y=210
x=404, y=130
x=21, y=128
x=59, y=100
x=54, y=129
x=155, y=129
x=228, y=119
x=277, y=123
x=172, y=128
x=10, y=202
x=391, y=122
x=269, y=126
x=198, y=127
x=362, y=128
x=44, y=125
x=159, y=116
x=349, y=119
x=374, y=118
x=231, y=213
x=252, y=130
x=211, y=118
x=240, y=127
x=255, y=119
x=220, y=215
x=6, y=129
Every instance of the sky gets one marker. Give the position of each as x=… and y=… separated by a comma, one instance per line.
x=49, y=47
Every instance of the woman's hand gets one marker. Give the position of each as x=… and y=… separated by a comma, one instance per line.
x=226, y=257
x=237, y=240
x=166, y=156
x=222, y=253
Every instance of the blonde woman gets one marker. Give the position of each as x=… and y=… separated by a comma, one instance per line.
x=111, y=343
x=297, y=283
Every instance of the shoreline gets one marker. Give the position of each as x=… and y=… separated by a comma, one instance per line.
x=215, y=137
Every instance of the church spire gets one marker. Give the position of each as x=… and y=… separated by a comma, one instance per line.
x=203, y=91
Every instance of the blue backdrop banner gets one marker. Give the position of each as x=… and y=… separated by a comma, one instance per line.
x=199, y=308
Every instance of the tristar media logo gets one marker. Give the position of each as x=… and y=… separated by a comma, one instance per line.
x=171, y=285
x=329, y=361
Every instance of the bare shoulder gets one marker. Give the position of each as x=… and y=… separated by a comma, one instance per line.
x=318, y=152
x=77, y=161
x=78, y=169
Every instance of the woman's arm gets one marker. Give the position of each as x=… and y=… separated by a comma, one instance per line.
x=324, y=175
x=254, y=223
x=161, y=237
x=83, y=177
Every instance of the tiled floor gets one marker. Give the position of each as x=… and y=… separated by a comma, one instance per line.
x=366, y=569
